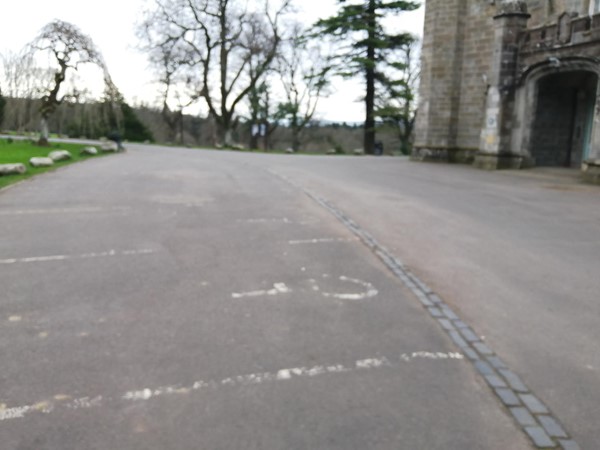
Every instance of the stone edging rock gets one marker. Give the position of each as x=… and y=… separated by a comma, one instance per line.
x=12, y=169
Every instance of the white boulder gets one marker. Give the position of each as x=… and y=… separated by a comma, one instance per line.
x=12, y=169
x=89, y=151
x=59, y=155
x=40, y=161
x=359, y=151
x=109, y=146
x=289, y=150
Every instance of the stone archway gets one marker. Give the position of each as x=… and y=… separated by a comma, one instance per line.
x=557, y=113
x=563, y=119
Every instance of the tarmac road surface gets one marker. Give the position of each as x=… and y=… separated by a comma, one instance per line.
x=182, y=299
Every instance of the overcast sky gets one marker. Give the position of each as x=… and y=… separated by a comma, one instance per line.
x=111, y=23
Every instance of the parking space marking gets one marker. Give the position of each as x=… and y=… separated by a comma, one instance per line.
x=52, y=258
x=74, y=210
x=67, y=402
x=278, y=288
x=187, y=201
x=267, y=220
x=321, y=241
x=369, y=291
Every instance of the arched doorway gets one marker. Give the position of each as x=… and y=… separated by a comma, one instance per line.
x=563, y=116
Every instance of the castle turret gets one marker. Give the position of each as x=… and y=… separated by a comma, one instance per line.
x=435, y=128
x=495, y=146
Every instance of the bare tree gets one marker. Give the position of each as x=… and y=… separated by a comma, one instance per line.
x=68, y=48
x=168, y=57
x=303, y=70
x=220, y=42
x=263, y=121
x=22, y=81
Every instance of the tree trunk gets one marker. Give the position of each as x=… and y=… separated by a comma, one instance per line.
x=369, y=136
x=227, y=137
x=254, y=132
x=296, y=139
x=44, y=133
x=180, y=123
x=253, y=139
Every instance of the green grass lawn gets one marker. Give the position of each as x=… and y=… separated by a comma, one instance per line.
x=22, y=151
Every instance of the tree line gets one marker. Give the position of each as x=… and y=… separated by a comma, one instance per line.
x=244, y=63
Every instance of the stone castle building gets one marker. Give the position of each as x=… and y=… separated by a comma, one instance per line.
x=511, y=84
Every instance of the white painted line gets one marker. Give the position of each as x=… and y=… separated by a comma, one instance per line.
x=286, y=374
x=429, y=355
x=369, y=291
x=145, y=394
x=278, y=288
x=49, y=406
x=109, y=253
x=188, y=202
x=77, y=210
x=267, y=220
x=321, y=241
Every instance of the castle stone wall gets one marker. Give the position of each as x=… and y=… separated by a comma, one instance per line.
x=477, y=57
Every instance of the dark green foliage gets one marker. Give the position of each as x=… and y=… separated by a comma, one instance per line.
x=396, y=104
x=133, y=128
x=120, y=118
x=98, y=120
x=368, y=48
x=2, y=108
x=258, y=100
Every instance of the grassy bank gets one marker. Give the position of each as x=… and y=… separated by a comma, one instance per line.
x=21, y=151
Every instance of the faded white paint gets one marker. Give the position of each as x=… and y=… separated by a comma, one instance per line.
x=267, y=220
x=48, y=406
x=368, y=292
x=14, y=413
x=259, y=378
x=77, y=210
x=431, y=355
x=321, y=241
x=278, y=288
x=189, y=201
x=84, y=403
x=284, y=374
x=371, y=363
x=52, y=258
x=64, y=401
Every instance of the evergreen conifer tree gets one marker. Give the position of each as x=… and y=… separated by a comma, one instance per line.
x=359, y=24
